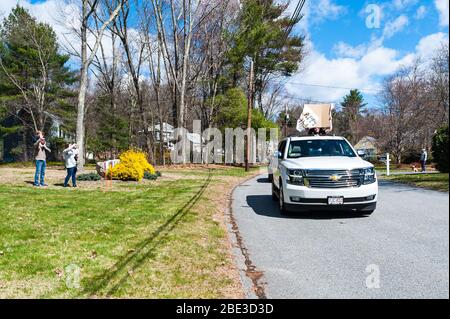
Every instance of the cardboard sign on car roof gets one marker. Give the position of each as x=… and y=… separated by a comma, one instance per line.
x=316, y=115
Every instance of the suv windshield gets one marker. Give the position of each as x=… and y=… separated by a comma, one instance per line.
x=317, y=148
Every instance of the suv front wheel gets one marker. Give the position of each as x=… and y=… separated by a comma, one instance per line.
x=274, y=193
x=282, y=204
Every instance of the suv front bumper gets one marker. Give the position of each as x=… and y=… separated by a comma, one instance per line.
x=311, y=208
x=363, y=197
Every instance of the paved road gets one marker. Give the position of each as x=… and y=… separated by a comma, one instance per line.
x=327, y=255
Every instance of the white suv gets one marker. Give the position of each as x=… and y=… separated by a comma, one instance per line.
x=321, y=173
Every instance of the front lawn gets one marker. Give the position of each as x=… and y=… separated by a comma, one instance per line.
x=438, y=181
x=157, y=239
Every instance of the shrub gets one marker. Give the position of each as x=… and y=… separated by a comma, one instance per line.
x=411, y=156
x=89, y=177
x=440, y=149
x=150, y=176
x=132, y=167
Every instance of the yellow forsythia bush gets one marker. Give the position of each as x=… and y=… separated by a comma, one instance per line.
x=132, y=166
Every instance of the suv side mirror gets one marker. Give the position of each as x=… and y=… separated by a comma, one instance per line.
x=278, y=154
x=361, y=153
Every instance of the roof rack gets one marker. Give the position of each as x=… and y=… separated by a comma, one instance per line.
x=305, y=134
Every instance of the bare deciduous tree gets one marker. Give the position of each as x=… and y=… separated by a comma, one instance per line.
x=134, y=48
x=439, y=84
x=90, y=11
x=405, y=107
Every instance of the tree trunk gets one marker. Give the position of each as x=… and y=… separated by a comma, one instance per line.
x=85, y=63
x=80, y=118
x=25, y=145
x=83, y=88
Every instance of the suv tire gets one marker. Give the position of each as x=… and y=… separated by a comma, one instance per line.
x=274, y=193
x=281, y=203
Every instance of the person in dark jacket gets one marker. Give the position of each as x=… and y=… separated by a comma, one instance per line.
x=423, y=159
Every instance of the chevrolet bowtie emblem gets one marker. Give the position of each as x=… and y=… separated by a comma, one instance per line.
x=335, y=178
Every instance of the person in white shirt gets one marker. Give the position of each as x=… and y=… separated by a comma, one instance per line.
x=70, y=158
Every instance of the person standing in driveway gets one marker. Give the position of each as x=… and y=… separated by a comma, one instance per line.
x=70, y=158
x=423, y=159
x=40, y=147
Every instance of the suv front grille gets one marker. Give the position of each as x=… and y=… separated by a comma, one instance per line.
x=333, y=178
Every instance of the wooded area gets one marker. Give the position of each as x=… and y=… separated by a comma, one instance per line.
x=172, y=62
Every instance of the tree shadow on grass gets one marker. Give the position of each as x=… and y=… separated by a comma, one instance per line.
x=113, y=278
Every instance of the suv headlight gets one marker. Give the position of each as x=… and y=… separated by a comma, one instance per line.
x=368, y=175
x=295, y=176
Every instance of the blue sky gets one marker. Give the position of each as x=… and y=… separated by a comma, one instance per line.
x=350, y=27
x=343, y=52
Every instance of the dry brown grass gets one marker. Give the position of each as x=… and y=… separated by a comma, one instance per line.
x=54, y=177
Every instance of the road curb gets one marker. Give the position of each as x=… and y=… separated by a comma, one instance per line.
x=250, y=277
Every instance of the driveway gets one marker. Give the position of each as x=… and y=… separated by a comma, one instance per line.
x=401, y=251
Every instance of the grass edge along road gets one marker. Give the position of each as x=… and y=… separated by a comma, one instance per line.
x=436, y=181
x=163, y=240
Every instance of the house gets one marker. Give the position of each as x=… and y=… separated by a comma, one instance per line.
x=57, y=129
x=166, y=135
x=197, y=142
x=369, y=145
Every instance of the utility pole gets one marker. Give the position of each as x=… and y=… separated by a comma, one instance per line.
x=286, y=120
x=249, y=115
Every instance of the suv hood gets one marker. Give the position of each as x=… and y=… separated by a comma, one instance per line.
x=329, y=163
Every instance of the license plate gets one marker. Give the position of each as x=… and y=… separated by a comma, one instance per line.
x=335, y=200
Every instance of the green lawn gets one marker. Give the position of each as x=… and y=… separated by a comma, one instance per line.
x=157, y=240
x=437, y=181
x=404, y=168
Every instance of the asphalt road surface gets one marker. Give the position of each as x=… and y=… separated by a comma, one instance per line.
x=401, y=251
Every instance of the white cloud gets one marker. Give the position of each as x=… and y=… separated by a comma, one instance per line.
x=402, y=4
x=443, y=8
x=390, y=29
x=391, y=7
x=343, y=72
x=327, y=72
x=315, y=13
x=428, y=45
x=63, y=16
x=6, y=6
x=379, y=61
x=343, y=49
x=326, y=10
x=421, y=12
x=396, y=26
x=362, y=67
x=57, y=13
